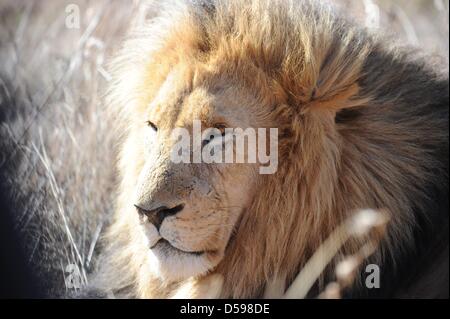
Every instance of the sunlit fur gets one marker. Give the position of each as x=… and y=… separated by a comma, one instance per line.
x=361, y=125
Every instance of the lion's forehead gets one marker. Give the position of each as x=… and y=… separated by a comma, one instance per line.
x=189, y=93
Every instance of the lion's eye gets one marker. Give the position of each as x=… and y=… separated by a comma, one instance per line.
x=152, y=125
x=221, y=128
x=213, y=135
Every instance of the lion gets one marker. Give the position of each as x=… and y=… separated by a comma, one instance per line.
x=362, y=124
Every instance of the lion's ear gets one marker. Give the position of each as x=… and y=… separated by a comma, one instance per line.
x=335, y=100
x=345, y=98
x=333, y=73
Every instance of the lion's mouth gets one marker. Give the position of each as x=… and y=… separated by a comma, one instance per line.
x=165, y=247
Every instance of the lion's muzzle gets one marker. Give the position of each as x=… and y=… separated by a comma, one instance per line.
x=157, y=215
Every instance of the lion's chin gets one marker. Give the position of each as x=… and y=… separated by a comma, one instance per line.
x=172, y=264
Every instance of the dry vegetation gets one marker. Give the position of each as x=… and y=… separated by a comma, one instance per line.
x=56, y=142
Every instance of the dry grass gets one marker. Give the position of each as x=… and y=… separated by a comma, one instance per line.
x=57, y=144
x=62, y=156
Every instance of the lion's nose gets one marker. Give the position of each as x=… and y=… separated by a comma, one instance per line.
x=157, y=215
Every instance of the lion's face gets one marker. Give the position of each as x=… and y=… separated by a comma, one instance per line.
x=188, y=211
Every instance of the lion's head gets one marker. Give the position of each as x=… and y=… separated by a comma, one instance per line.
x=286, y=65
x=189, y=210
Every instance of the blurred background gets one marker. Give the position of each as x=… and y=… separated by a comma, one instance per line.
x=56, y=144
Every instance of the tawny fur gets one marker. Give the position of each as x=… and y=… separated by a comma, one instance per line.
x=360, y=127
